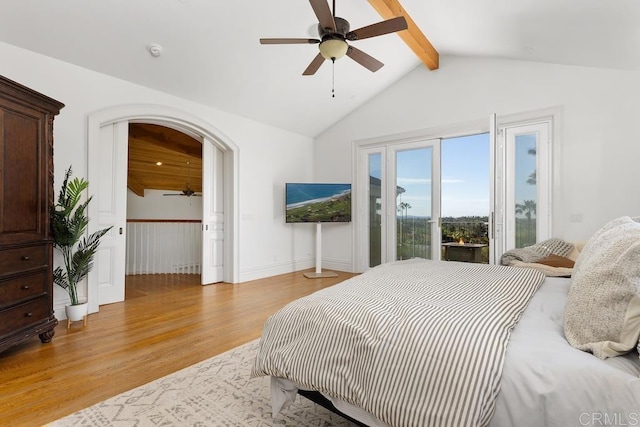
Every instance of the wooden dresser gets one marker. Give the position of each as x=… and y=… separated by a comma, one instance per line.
x=26, y=195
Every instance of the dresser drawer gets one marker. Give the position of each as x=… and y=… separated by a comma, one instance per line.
x=22, y=259
x=23, y=287
x=23, y=315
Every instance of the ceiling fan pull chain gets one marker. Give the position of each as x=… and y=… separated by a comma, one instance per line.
x=333, y=77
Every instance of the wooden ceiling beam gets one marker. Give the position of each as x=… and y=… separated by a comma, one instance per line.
x=413, y=36
x=134, y=185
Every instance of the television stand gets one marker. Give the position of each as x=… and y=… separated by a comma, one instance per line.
x=318, y=274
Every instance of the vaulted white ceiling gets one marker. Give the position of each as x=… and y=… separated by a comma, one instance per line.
x=211, y=52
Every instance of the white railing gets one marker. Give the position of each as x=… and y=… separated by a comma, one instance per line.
x=168, y=247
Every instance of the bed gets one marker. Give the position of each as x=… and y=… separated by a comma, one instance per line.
x=373, y=346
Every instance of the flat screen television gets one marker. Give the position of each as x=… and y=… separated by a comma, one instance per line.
x=317, y=202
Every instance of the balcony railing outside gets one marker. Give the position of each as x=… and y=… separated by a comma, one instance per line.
x=414, y=235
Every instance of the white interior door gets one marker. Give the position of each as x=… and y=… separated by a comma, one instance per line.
x=107, y=183
x=212, y=213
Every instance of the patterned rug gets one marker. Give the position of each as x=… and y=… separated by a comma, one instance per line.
x=215, y=392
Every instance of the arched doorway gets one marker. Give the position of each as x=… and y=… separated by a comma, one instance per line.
x=106, y=131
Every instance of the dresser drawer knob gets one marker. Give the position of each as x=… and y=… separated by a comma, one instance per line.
x=25, y=258
x=28, y=315
x=25, y=287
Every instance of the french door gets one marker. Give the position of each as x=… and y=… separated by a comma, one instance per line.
x=398, y=192
x=400, y=204
x=522, y=211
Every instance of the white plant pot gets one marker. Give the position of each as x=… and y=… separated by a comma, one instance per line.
x=76, y=312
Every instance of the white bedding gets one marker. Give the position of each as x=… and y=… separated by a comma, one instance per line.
x=545, y=381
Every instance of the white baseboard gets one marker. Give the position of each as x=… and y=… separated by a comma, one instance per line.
x=289, y=267
x=58, y=308
x=274, y=269
x=336, y=264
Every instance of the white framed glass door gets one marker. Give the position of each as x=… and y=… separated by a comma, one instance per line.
x=401, y=202
x=524, y=160
x=414, y=169
x=376, y=192
x=398, y=188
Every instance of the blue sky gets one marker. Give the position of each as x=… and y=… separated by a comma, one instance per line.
x=465, y=177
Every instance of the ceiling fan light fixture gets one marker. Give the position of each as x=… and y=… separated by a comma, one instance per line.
x=333, y=49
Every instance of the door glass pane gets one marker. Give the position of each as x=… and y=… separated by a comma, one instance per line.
x=525, y=189
x=413, y=203
x=375, y=209
x=466, y=202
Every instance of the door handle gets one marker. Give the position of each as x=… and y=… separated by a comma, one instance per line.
x=120, y=230
x=492, y=225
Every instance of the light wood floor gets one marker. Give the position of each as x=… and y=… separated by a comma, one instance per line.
x=166, y=323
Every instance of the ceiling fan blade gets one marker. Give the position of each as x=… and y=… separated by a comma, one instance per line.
x=289, y=41
x=313, y=67
x=323, y=13
x=385, y=27
x=366, y=60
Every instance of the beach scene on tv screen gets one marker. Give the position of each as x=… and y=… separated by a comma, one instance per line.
x=318, y=202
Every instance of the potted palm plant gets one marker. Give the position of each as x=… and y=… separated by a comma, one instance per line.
x=69, y=223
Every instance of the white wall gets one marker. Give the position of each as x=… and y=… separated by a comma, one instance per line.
x=268, y=156
x=154, y=205
x=597, y=149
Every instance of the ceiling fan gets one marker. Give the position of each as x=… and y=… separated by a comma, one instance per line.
x=188, y=192
x=335, y=32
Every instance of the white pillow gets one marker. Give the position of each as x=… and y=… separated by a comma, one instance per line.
x=602, y=314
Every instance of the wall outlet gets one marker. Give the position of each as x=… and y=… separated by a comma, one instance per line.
x=575, y=217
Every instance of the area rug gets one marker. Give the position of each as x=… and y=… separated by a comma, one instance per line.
x=215, y=392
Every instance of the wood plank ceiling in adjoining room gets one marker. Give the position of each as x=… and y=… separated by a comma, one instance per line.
x=179, y=155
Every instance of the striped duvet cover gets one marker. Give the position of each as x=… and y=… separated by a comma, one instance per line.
x=415, y=343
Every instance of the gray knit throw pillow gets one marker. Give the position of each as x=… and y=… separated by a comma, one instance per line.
x=602, y=315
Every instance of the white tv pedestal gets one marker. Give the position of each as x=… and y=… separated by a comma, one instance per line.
x=318, y=274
